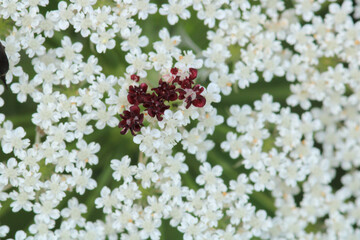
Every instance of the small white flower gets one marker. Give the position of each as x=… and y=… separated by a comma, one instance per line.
x=86, y=153
x=46, y=115
x=13, y=141
x=209, y=176
x=147, y=173
x=21, y=200
x=9, y=173
x=174, y=10
x=138, y=63
x=81, y=180
x=107, y=201
x=42, y=228
x=122, y=169
x=150, y=227
x=73, y=213
x=103, y=40
x=4, y=230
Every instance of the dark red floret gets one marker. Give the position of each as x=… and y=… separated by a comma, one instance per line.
x=194, y=97
x=174, y=71
x=132, y=120
x=135, y=78
x=193, y=73
x=166, y=91
x=155, y=107
x=136, y=94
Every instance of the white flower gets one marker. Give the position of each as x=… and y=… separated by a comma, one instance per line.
x=150, y=227
x=41, y=228
x=89, y=70
x=191, y=140
x=21, y=200
x=267, y=108
x=47, y=25
x=245, y=75
x=157, y=206
x=89, y=99
x=188, y=60
x=73, y=212
x=66, y=231
x=293, y=172
x=69, y=51
x=9, y=173
x=145, y=8
x=240, y=117
x=34, y=45
x=167, y=42
x=11, y=9
x=81, y=180
x=68, y=73
x=104, y=84
x=216, y=56
x=23, y=88
x=175, y=166
x=63, y=160
x=60, y=134
x=13, y=141
x=254, y=158
x=161, y=60
x=262, y=180
x=172, y=190
x=107, y=201
x=81, y=125
x=210, y=12
x=191, y=227
x=129, y=192
x=122, y=169
x=62, y=15
x=30, y=181
x=103, y=40
x=31, y=159
x=209, y=176
x=138, y=63
x=133, y=42
x=241, y=188
x=175, y=9
x=212, y=94
x=103, y=17
x=12, y=48
x=233, y=144
x=259, y=223
x=4, y=230
x=92, y=230
x=56, y=187
x=46, y=115
x=45, y=209
x=210, y=120
x=223, y=80
x=125, y=218
x=104, y=116
x=83, y=23
x=86, y=153
x=147, y=174
x=148, y=140
x=307, y=8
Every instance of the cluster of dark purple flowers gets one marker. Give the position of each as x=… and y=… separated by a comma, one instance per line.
x=154, y=102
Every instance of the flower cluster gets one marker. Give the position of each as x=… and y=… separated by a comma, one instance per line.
x=266, y=148
x=154, y=103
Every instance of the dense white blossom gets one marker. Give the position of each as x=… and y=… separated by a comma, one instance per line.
x=279, y=160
